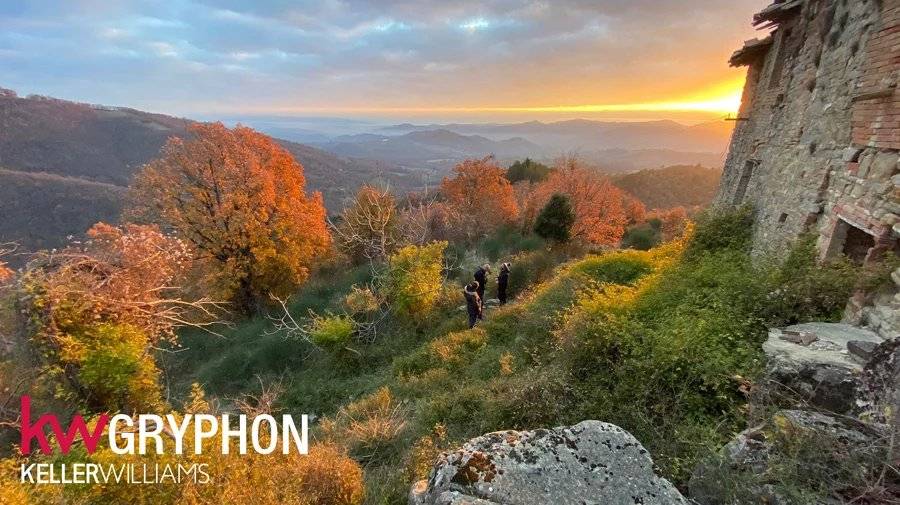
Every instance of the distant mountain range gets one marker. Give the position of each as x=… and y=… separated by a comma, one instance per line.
x=585, y=135
x=65, y=165
x=429, y=146
x=612, y=146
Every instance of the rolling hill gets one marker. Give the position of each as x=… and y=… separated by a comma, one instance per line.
x=66, y=165
x=679, y=185
x=39, y=210
x=590, y=135
x=437, y=147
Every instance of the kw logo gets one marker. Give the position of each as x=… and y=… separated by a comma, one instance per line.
x=35, y=432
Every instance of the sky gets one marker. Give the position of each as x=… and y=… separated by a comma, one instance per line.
x=417, y=60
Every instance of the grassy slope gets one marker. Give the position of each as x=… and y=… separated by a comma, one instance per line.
x=443, y=373
x=656, y=342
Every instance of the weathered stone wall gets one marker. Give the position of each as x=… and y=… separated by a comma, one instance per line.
x=816, y=144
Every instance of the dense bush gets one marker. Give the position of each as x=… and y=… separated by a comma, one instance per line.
x=718, y=229
x=331, y=331
x=527, y=269
x=643, y=236
x=676, y=346
x=670, y=348
x=507, y=241
x=802, y=288
x=113, y=365
x=413, y=280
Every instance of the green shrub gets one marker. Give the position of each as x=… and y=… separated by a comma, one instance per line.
x=507, y=241
x=414, y=278
x=806, y=289
x=618, y=268
x=642, y=237
x=722, y=229
x=331, y=331
x=113, y=365
x=528, y=269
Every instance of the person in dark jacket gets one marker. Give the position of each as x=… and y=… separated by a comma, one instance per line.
x=502, y=283
x=473, y=302
x=481, y=277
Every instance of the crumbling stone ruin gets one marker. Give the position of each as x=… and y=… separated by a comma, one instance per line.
x=816, y=150
x=815, y=147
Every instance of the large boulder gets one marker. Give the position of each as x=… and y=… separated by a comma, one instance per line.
x=817, y=364
x=590, y=462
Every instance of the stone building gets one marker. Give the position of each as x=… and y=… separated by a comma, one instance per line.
x=815, y=146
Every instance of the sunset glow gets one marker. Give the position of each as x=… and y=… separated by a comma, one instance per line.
x=633, y=60
x=722, y=100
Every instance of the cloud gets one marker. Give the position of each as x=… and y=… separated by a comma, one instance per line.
x=187, y=56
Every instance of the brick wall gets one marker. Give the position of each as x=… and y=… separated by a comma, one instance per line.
x=876, y=119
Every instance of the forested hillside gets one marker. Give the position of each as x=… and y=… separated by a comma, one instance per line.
x=84, y=144
x=41, y=210
x=675, y=186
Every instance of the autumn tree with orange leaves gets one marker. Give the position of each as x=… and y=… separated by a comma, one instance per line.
x=95, y=312
x=602, y=210
x=480, y=197
x=238, y=198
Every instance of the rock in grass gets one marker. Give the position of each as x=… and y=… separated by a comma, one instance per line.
x=817, y=369
x=590, y=462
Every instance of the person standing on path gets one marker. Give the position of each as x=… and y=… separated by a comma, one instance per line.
x=502, y=283
x=481, y=277
x=473, y=302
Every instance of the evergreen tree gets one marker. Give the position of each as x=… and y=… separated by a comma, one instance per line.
x=556, y=219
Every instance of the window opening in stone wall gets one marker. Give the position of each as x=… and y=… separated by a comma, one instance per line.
x=857, y=244
x=850, y=241
x=744, y=181
x=778, y=64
